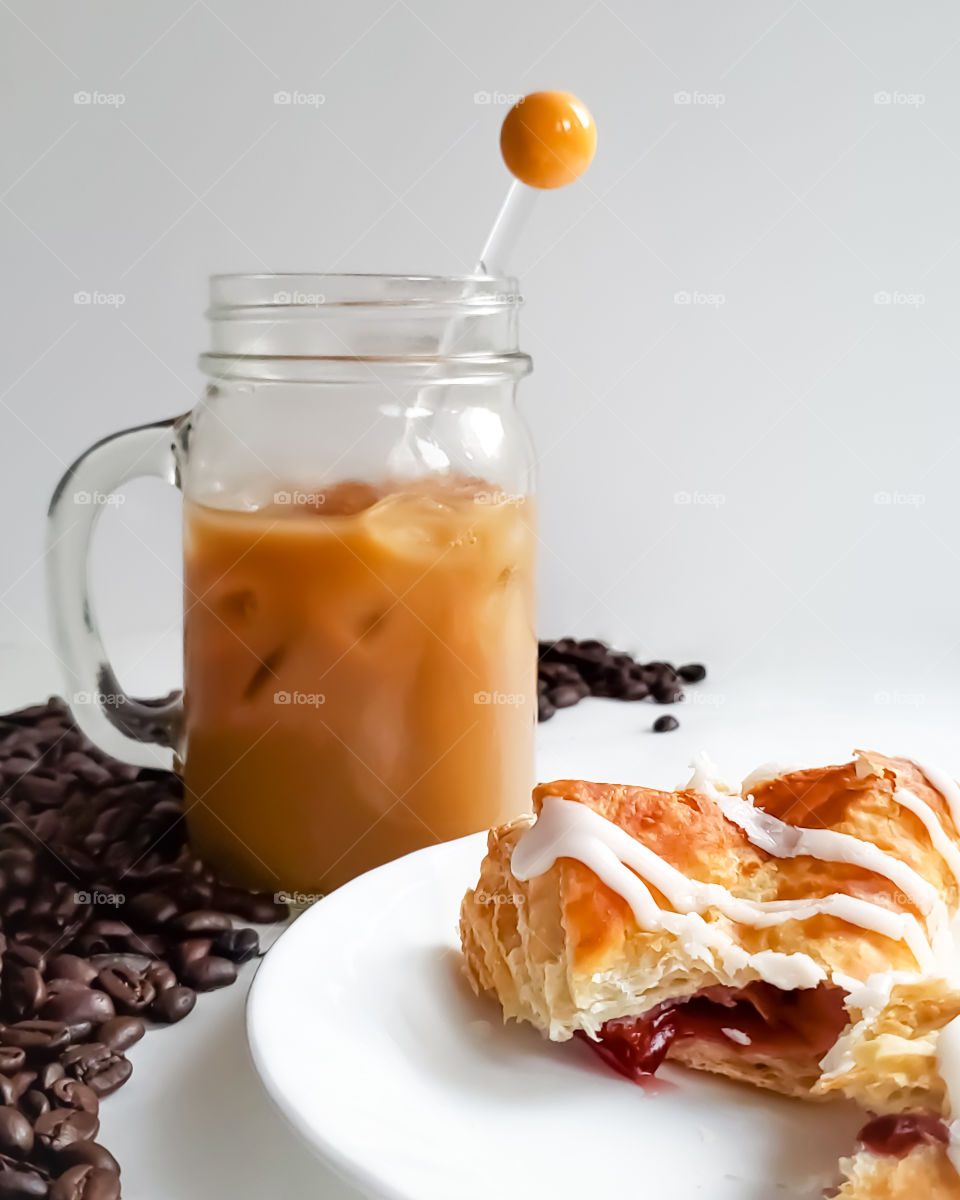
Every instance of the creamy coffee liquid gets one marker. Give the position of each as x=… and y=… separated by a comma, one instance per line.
x=360, y=676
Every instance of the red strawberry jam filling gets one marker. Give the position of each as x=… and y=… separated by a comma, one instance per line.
x=759, y=1019
x=897, y=1134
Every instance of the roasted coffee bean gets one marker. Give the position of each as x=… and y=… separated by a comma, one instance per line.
x=161, y=976
x=120, y=1033
x=665, y=724
x=173, y=1004
x=564, y=696
x=75, y=1005
x=18, y=1181
x=12, y=1059
x=61, y=1127
x=208, y=973
x=24, y=991
x=71, y=1093
x=188, y=952
x=545, y=710
x=152, y=909
x=692, y=672
x=88, y=1152
x=19, y=868
x=16, y=1134
x=86, y=1182
x=239, y=945
x=42, y=1038
x=70, y=966
x=97, y=1066
x=130, y=991
x=33, y=1102
x=202, y=922
x=24, y=956
x=48, y=1074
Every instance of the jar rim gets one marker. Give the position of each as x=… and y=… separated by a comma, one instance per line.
x=291, y=291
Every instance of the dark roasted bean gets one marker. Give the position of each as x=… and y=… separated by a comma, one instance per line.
x=89, y=1152
x=97, y=1066
x=48, y=1074
x=692, y=672
x=24, y=991
x=86, y=1182
x=70, y=966
x=173, y=1004
x=32, y=1103
x=153, y=909
x=18, y=1181
x=239, y=945
x=71, y=1093
x=202, y=922
x=76, y=1005
x=120, y=1033
x=41, y=1038
x=12, y=1059
x=665, y=724
x=16, y=1135
x=61, y=1127
x=161, y=976
x=208, y=973
x=130, y=991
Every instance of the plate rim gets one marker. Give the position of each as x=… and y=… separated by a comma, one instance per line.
x=349, y=1168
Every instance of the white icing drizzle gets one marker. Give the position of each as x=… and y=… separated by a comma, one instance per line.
x=776, y=837
x=940, y=839
x=566, y=829
x=738, y=1036
x=941, y=782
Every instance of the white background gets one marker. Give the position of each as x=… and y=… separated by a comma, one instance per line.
x=806, y=200
x=784, y=412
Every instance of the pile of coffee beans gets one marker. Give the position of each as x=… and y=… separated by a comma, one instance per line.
x=107, y=925
x=569, y=670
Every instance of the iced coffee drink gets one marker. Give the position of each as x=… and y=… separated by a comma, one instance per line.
x=360, y=671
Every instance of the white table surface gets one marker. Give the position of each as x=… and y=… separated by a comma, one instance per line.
x=193, y=1122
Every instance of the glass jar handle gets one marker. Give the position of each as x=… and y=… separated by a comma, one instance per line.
x=130, y=729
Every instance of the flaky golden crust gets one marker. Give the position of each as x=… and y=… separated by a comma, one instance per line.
x=564, y=952
x=924, y=1174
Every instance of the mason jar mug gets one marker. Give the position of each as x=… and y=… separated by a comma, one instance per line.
x=358, y=576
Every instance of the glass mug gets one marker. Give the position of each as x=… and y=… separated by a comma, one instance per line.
x=358, y=549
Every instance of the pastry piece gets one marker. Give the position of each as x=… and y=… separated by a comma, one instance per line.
x=902, y=1158
x=795, y=934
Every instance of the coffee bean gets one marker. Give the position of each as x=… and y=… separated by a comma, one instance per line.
x=70, y=966
x=120, y=1033
x=71, y=1093
x=89, y=1153
x=202, y=921
x=43, y=1038
x=692, y=672
x=21, y=1182
x=152, y=909
x=75, y=1004
x=208, y=973
x=32, y=1103
x=98, y=1067
x=161, y=976
x=12, y=1059
x=48, y=1074
x=61, y=1127
x=545, y=710
x=173, y=1004
x=86, y=1182
x=564, y=696
x=24, y=990
x=130, y=991
x=16, y=1135
x=665, y=724
x=239, y=945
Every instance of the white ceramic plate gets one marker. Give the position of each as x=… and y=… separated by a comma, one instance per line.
x=372, y=1045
